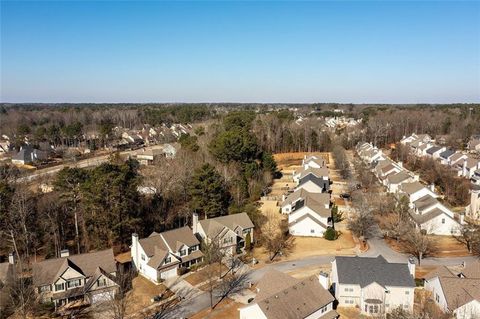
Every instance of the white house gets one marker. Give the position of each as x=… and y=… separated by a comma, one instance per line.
x=470, y=165
x=459, y=294
x=280, y=296
x=445, y=156
x=373, y=284
x=474, y=145
x=89, y=278
x=229, y=231
x=317, y=172
x=435, y=151
x=313, y=184
x=309, y=214
x=393, y=181
x=159, y=256
x=416, y=190
x=313, y=162
x=433, y=217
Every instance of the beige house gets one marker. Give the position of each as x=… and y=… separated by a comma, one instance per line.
x=89, y=278
x=229, y=231
x=280, y=296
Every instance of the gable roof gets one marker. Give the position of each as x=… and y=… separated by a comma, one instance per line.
x=320, y=182
x=471, y=162
x=423, y=218
x=472, y=270
x=433, y=150
x=366, y=270
x=47, y=271
x=213, y=226
x=398, y=177
x=318, y=172
x=441, y=271
x=425, y=202
x=299, y=299
x=272, y=282
x=308, y=215
x=320, y=161
x=455, y=157
x=412, y=188
x=459, y=291
x=446, y=154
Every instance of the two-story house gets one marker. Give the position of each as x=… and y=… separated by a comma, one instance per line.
x=317, y=172
x=313, y=162
x=87, y=277
x=230, y=232
x=373, y=284
x=281, y=296
x=457, y=294
x=160, y=255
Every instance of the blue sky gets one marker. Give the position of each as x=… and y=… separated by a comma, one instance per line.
x=227, y=51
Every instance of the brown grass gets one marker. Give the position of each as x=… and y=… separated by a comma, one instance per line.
x=295, y=158
x=226, y=309
x=447, y=246
x=143, y=291
x=201, y=275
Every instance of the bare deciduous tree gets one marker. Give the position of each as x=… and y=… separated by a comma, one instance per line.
x=419, y=244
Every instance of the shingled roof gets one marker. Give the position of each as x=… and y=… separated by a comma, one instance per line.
x=398, y=177
x=47, y=271
x=293, y=298
x=459, y=291
x=412, y=188
x=320, y=182
x=318, y=172
x=213, y=226
x=472, y=270
x=365, y=270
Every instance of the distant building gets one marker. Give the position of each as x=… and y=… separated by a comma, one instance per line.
x=29, y=155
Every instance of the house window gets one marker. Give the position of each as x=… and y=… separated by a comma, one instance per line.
x=102, y=282
x=143, y=257
x=183, y=252
x=168, y=259
x=74, y=283
x=405, y=306
x=312, y=231
x=437, y=298
x=443, y=220
x=407, y=292
x=59, y=286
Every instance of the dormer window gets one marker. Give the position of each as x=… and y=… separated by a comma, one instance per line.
x=183, y=252
x=59, y=286
x=168, y=259
x=74, y=283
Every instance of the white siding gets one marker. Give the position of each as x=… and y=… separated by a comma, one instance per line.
x=310, y=187
x=252, y=312
x=470, y=310
x=435, y=287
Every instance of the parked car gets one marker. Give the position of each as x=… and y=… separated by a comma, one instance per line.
x=345, y=196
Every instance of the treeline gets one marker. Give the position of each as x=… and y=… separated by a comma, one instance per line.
x=101, y=207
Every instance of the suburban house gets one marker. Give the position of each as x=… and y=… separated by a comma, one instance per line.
x=314, y=184
x=309, y=214
x=422, y=149
x=169, y=151
x=457, y=157
x=29, y=155
x=149, y=157
x=281, y=296
x=474, y=145
x=457, y=294
x=369, y=283
x=317, y=172
x=369, y=153
x=393, y=181
x=313, y=162
x=435, y=151
x=416, y=190
x=159, y=256
x=433, y=217
x=229, y=231
x=386, y=168
x=475, y=179
x=423, y=138
x=472, y=211
x=445, y=156
x=89, y=278
x=470, y=165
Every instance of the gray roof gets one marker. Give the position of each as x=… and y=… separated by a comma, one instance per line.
x=365, y=270
x=398, y=178
x=47, y=271
x=412, y=188
x=446, y=154
x=425, y=202
x=433, y=149
x=214, y=226
x=423, y=218
x=320, y=182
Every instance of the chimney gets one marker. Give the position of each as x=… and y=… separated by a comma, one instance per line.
x=432, y=187
x=11, y=258
x=462, y=218
x=400, y=164
x=411, y=266
x=134, y=251
x=323, y=279
x=64, y=253
x=416, y=178
x=195, y=223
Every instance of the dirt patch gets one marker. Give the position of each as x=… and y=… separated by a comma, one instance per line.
x=447, y=246
x=202, y=274
x=289, y=159
x=143, y=291
x=226, y=309
x=309, y=271
x=350, y=313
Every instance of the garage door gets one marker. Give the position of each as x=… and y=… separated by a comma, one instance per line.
x=101, y=297
x=169, y=273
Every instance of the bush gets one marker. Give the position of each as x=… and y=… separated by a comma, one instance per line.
x=330, y=234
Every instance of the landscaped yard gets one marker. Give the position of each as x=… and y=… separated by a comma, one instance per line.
x=295, y=158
